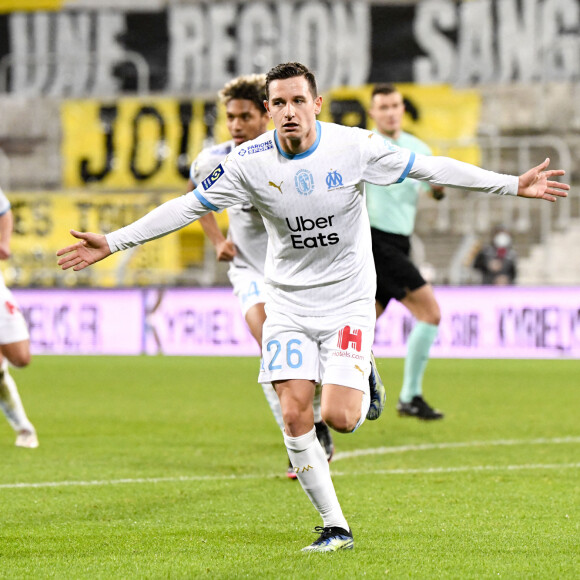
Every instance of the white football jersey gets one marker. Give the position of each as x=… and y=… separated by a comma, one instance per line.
x=319, y=257
x=246, y=227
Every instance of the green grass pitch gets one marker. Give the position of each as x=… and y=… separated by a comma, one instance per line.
x=159, y=467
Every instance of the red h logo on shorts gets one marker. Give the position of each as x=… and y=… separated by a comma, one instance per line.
x=347, y=338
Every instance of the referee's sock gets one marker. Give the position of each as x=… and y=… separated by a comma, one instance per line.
x=420, y=340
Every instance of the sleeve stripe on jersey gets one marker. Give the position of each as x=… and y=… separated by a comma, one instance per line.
x=408, y=168
x=204, y=201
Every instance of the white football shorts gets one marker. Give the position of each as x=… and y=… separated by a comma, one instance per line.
x=12, y=324
x=248, y=286
x=332, y=349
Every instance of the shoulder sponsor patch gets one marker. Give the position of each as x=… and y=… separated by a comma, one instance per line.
x=211, y=179
x=257, y=148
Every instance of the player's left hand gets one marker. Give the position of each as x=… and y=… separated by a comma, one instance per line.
x=90, y=249
x=536, y=183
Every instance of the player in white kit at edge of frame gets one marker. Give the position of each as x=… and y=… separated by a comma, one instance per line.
x=14, y=343
x=306, y=178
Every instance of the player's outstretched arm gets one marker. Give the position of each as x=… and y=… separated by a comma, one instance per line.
x=90, y=249
x=536, y=183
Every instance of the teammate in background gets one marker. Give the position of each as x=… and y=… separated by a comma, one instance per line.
x=247, y=240
x=392, y=212
x=306, y=178
x=14, y=343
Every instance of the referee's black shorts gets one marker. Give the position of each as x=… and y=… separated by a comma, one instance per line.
x=396, y=274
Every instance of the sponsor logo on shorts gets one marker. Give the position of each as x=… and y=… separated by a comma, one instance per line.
x=11, y=307
x=304, y=182
x=348, y=338
x=346, y=354
x=215, y=175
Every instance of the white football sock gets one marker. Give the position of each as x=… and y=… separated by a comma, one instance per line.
x=274, y=402
x=364, y=409
x=316, y=403
x=309, y=461
x=10, y=402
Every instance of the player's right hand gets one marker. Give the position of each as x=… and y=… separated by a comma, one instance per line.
x=89, y=249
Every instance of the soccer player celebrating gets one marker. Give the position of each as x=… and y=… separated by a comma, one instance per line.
x=14, y=343
x=247, y=240
x=306, y=178
x=392, y=213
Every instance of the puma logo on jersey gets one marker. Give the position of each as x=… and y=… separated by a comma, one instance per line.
x=359, y=369
x=278, y=187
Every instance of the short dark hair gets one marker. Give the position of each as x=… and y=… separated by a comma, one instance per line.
x=290, y=70
x=249, y=88
x=384, y=89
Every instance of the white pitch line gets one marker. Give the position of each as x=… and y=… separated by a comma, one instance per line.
x=426, y=471
x=431, y=446
x=132, y=480
x=338, y=457
x=429, y=470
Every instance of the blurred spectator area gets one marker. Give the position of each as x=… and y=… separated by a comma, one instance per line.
x=519, y=125
x=43, y=219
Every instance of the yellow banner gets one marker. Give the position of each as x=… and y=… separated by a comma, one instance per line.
x=136, y=143
x=30, y=5
x=41, y=226
x=150, y=143
x=445, y=118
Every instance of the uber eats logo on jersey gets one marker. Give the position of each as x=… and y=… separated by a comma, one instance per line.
x=318, y=239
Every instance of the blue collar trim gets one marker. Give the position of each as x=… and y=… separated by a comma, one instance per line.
x=306, y=153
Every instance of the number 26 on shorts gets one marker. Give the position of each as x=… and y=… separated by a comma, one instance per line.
x=278, y=353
